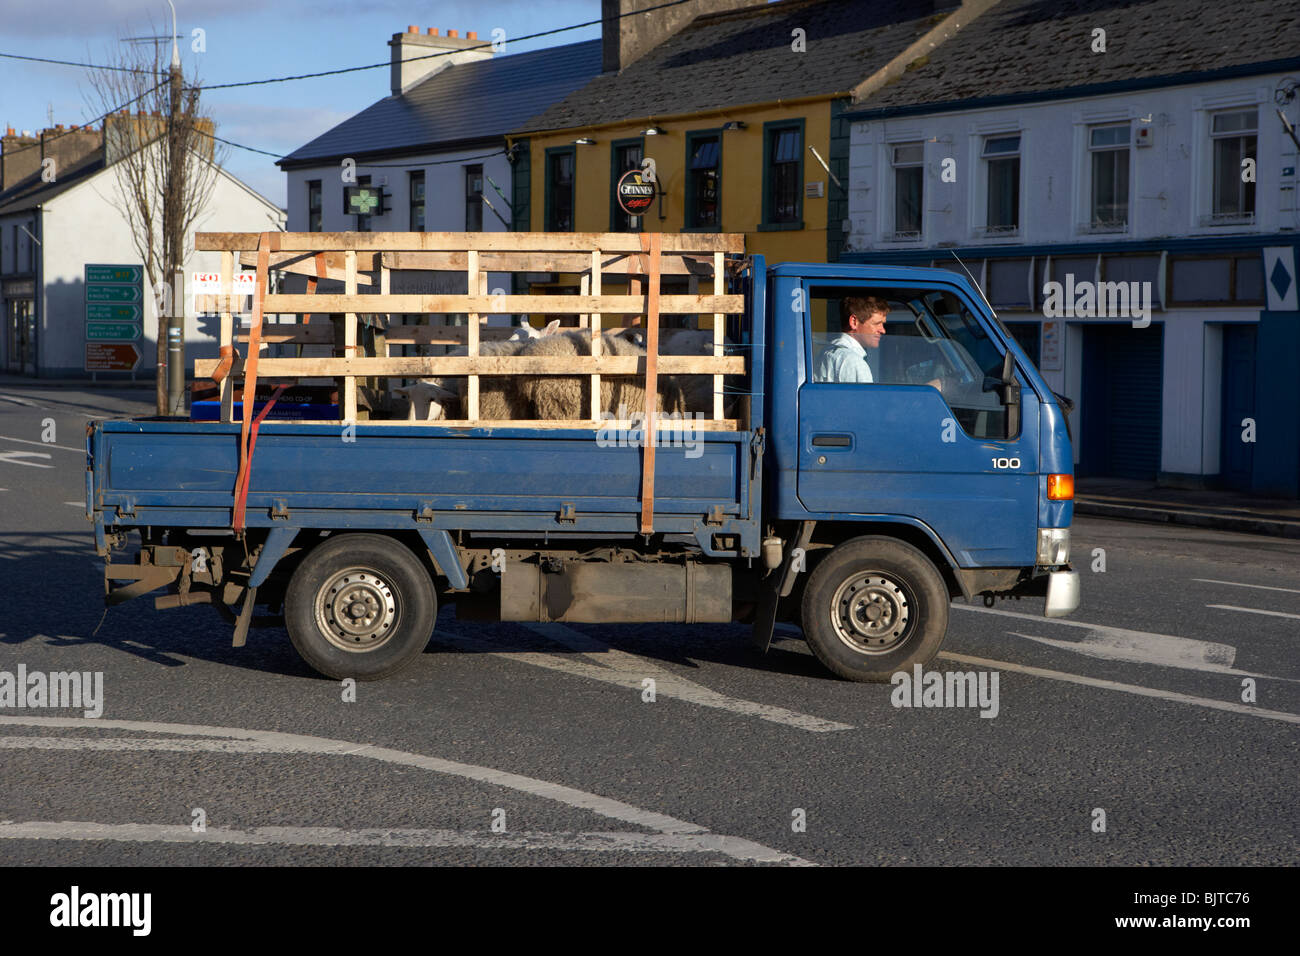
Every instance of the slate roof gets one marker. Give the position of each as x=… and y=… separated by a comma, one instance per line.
x=460, y=104
x=1033, y=46
x=31, y=192
x=745, y=56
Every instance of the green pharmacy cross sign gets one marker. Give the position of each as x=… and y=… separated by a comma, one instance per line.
x=364, y=200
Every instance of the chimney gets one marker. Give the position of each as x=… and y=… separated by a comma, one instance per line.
x=412, y=44
x=624, y=40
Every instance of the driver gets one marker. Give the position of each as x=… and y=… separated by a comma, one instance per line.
x=862, y=323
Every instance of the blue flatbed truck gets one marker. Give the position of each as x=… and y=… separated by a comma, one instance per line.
x=858, y=511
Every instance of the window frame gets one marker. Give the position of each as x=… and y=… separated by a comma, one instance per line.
x=414, y=176
x=896, y=234
x=1094, y=225
x=1232, y=299
x=554, y=153
x=1243, y=217
x=615, y=213
x=692, y=137
x=315, y=187
x=986, y=230
x=467, y=169
x=770, y=132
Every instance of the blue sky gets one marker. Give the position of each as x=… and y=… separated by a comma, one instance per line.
x=250, y=39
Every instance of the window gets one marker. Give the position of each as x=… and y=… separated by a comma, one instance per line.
x=1002, y=158
x=909, y=177
x=363, y=222
x=416, y=193
x=783, y=175
x=473, y=198
x=703, y=180
x=1234, y=136
x=313, y=206
x=625, y=155
x=930, y=338
x=560, y=163
x=1216, y=280
x=1108, y=151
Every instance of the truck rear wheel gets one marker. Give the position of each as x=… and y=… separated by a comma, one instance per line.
x=874, y=606
x=360, y=606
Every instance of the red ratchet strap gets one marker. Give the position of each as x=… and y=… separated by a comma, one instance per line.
x=242, y=498
x=268, y=243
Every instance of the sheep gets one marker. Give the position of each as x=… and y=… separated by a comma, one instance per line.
x=560, y=397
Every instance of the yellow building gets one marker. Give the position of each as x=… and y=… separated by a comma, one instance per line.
x=736, y=116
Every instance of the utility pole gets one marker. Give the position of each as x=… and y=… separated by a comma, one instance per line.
x=171, y=328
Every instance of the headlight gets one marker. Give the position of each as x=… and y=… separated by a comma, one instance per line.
x=1053, y=546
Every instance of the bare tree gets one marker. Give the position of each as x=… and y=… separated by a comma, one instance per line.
x=162, y=149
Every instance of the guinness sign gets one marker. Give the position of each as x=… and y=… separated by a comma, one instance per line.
x=634, y=192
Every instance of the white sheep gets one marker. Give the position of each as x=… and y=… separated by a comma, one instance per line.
x=562, y=397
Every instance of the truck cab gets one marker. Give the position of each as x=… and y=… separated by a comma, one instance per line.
x=947, y=472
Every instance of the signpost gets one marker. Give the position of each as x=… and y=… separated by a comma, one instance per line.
x=111, y=356
x=114, y=317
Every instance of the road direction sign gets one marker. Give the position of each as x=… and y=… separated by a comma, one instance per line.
x=113, y=293
x=112, y=331
x=111, y=356
x=112, y=312
x=127, y=275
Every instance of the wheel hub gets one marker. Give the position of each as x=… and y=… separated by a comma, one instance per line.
x=871, y=612
x=356, y=609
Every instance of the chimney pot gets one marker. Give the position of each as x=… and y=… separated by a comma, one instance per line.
x=472, y=35
x=11, y=131
x=453, y=33
x=412, y=29
x=433, y=31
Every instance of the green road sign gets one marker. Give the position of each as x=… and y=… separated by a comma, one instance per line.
x=112, y=331
x=120, y=274
x=113, y=293
x=111, y=312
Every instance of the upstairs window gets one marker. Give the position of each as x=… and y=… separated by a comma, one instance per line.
x=1109, y=158
x=473, y=198
x=417, y=201
x=909, y=189
x=704, y=181
x=783, y=174
x=560, y=164
x=1002, y=159
x=314, y=221
x=1234, y=136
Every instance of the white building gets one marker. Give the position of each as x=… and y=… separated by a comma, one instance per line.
x=50, y=232
x=1068, y=164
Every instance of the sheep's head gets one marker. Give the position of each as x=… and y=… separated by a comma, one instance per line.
x=429, y=401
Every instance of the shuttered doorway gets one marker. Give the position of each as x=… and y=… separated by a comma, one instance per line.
x=1121, y=408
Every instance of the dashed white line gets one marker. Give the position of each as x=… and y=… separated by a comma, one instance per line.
x=16, y=458
x=1254, y=610
x=1170, y=695
x=1240, y=584
x=596, y=841
x=43, y=444
x=240, y=740
x=628, y=670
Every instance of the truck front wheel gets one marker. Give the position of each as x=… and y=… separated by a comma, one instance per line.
x=874, y=606
x=360, y=606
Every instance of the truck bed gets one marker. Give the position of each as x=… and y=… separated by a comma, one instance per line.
x=422, y=476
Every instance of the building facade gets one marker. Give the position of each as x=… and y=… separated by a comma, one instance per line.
x=1137, y=232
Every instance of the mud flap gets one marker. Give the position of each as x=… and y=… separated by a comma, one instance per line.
x=777, y=585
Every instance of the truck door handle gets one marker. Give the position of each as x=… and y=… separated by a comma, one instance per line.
x=834, y=441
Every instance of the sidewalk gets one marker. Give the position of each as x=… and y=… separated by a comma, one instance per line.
x=144, y=381
x=1225, y=510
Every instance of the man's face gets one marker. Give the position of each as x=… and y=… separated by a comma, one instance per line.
x=867, y=330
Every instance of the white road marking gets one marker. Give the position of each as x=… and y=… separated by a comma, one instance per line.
x=1253, y=610
x=43, y=444
x=240, y=740
x=16, y=458
x=1138, y=647
x=597, y=841
x=1239, y=584
x=628, y=670
x=76, y=504
x=1227, y=705
x=19, y=401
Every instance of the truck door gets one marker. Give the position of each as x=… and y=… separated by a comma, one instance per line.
x=923, y=433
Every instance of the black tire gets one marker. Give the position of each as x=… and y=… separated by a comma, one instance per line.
x=360, y=606
x=874, y=606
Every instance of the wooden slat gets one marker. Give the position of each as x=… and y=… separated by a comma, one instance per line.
x=675, y=264
x=301, y=263
x=423, y=366
x=497, y=305
x=471, y=286
x=227, y=332
x=718, y=288
x=597, y=344
x=662, y=426
x=582, y=242
x=320, y=334
x=651, y=384
x=349, y=333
